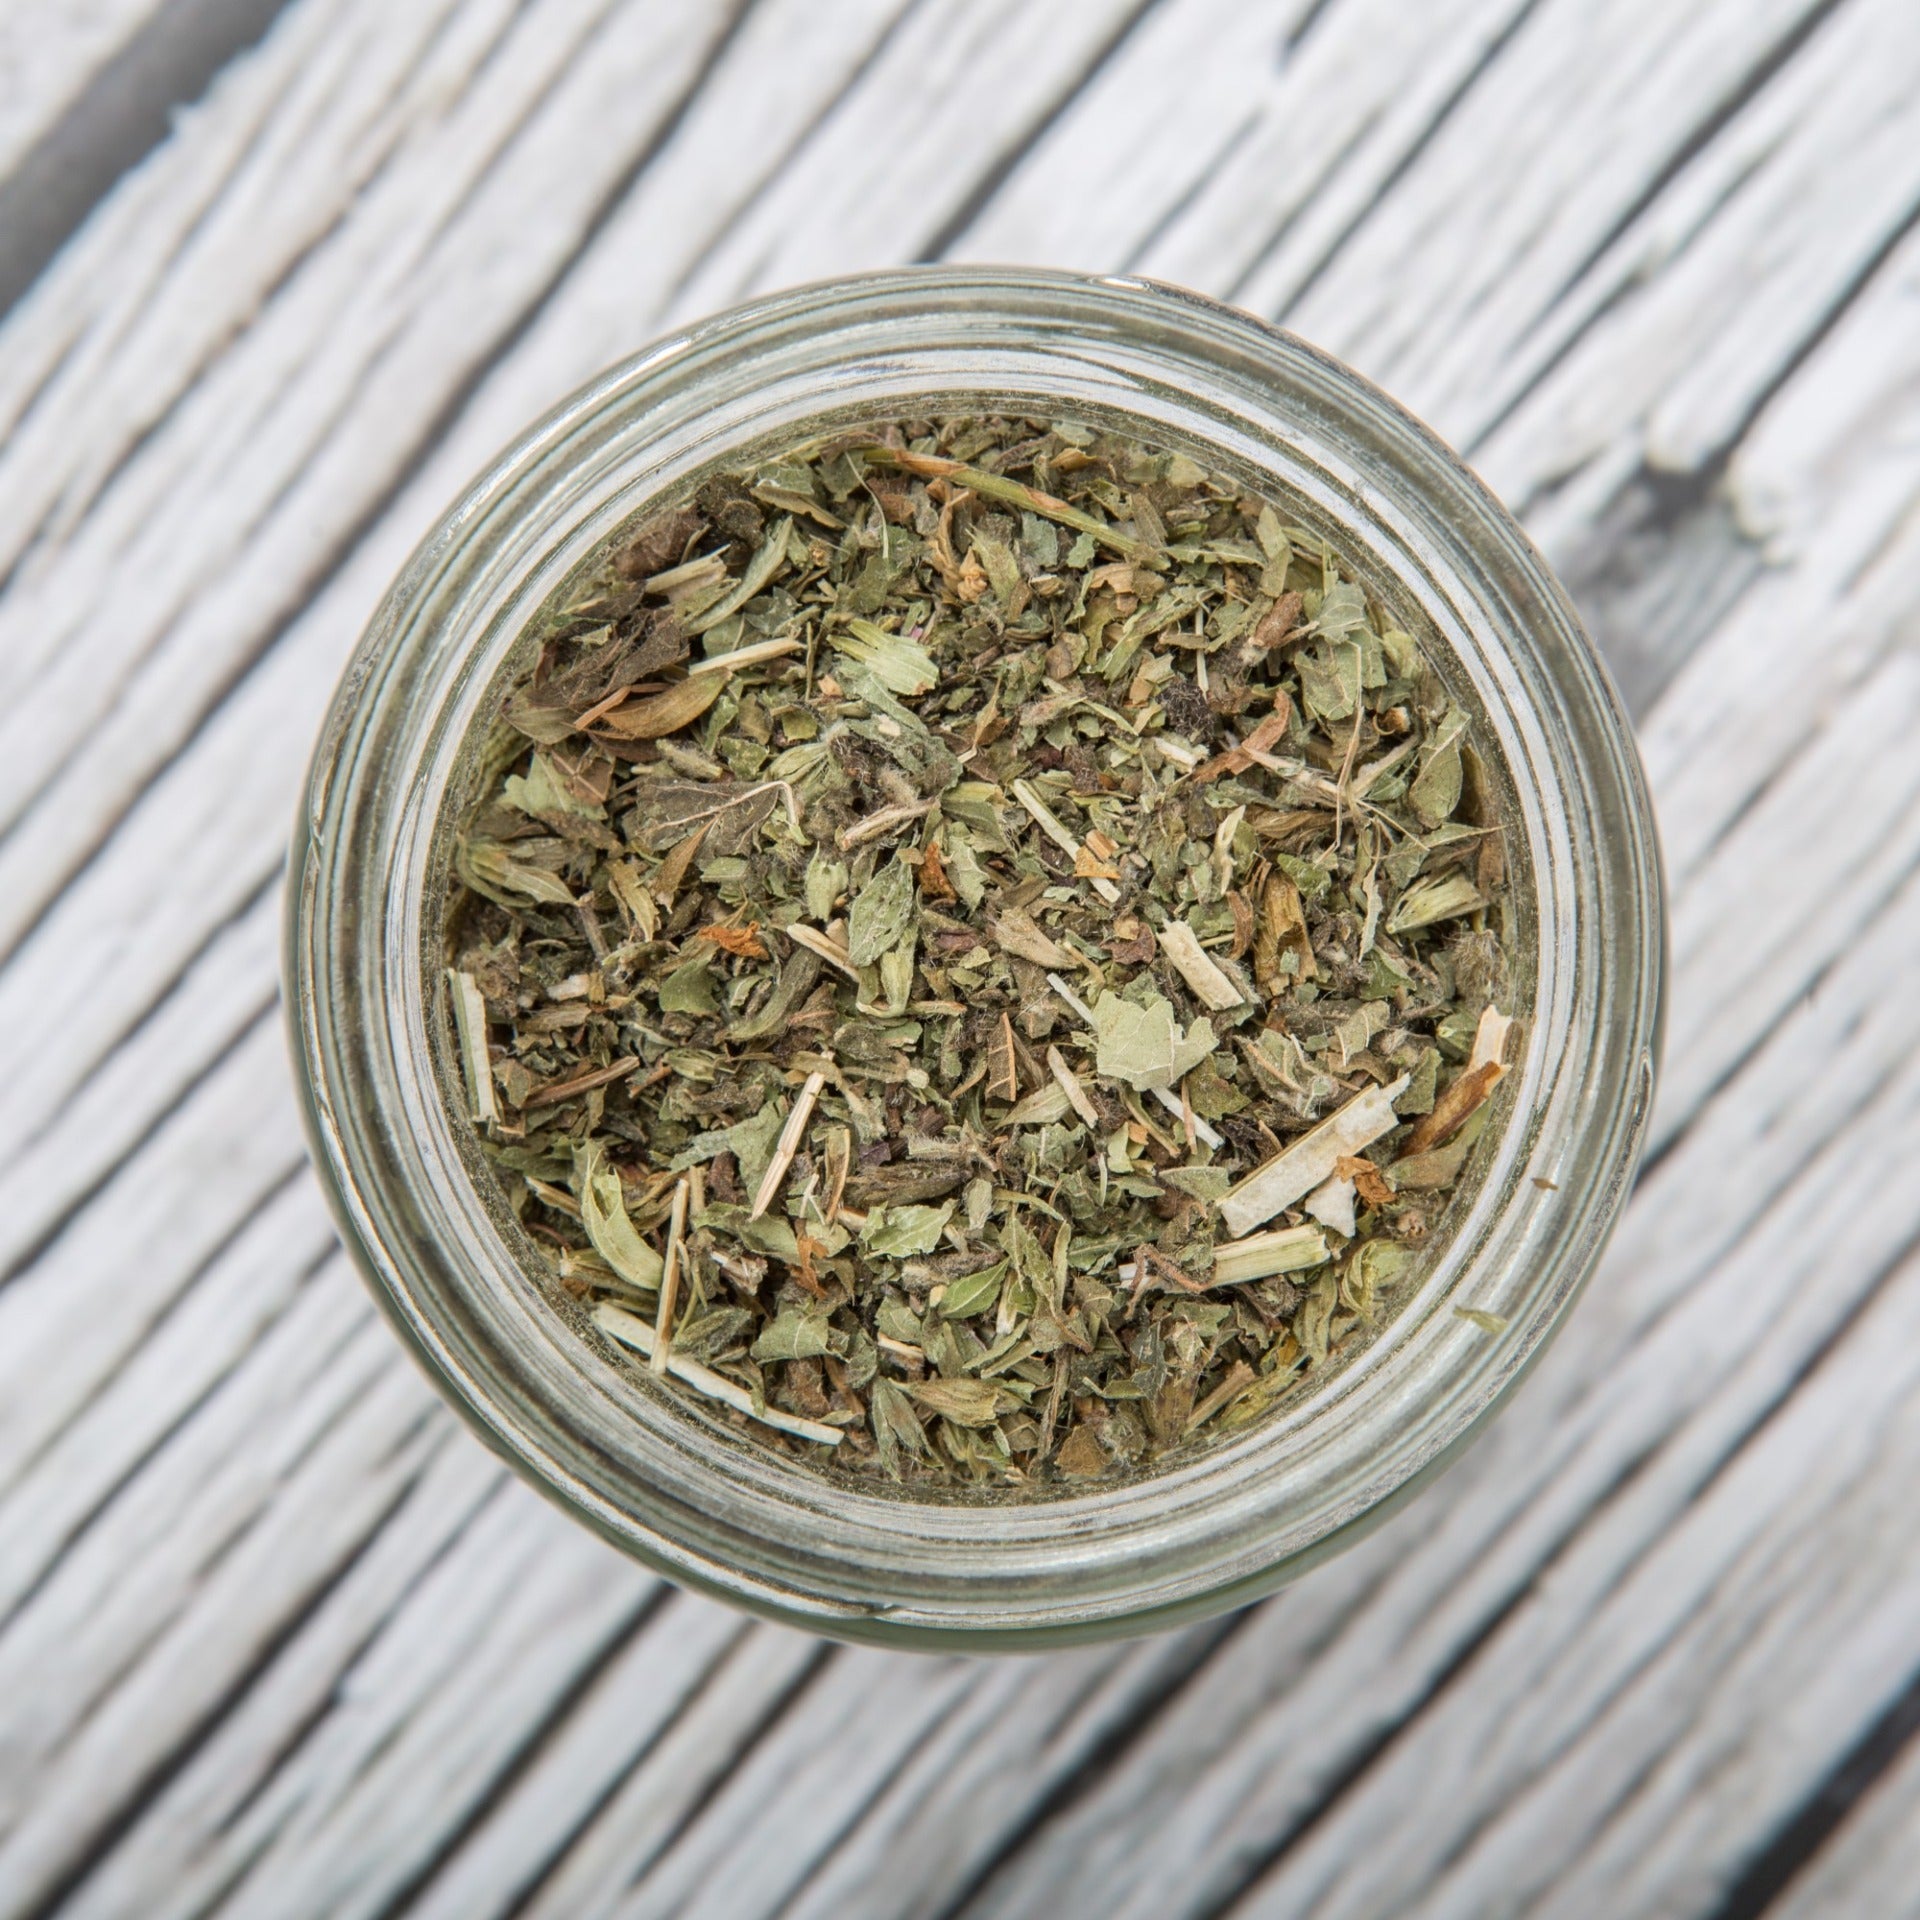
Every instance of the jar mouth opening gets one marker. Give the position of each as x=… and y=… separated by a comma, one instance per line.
x=691, y=1495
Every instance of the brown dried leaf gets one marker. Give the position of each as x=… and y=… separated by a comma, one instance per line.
x=659, y=542
x=934, y=884
x=1133, y=944
x=671, y=873
x=1490, y=865
x=1242, y=924
x=1262, y=739
x=1451, y=1111
x=1081, y=1454
x=663, y=713
x=1369, y=1181
x=1281, y=619
x=1282, y=925
x=1019, y=934
x=1003, y=1077
x=743, y=941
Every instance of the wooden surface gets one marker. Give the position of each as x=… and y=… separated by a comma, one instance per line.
x=277, y=1638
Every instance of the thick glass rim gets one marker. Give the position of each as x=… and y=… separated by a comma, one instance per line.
x=688, y=1495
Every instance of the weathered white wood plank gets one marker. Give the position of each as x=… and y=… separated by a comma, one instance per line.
x=1686, y=323
x=187, y=1823
x=955, y=89
x=1130, y=152
x=1819, y=853
x=1657, y=1806
x=185, y=1355
x=969, y=1746
x=49, y=50
x=438, y=254
x=791, y=67
x=1023, y=1732
x=109, y=341
x=223, y=1566
x=227, y=989
x=1833, y=450
x=1462, y=1555
x=760, y=1674
x=1872, y=1864
x=460, y=1675
x=1287, y=137
x=871, y=1722
x=1731, y=690
x=143, y=1241
x=651, y=1682
x=1587, y=104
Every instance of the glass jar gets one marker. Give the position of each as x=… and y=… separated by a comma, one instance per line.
x=694, y=1497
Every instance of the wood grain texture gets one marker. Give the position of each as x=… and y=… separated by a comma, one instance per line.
x=277, y=1639
x=49, y=50
x=1873, y=1864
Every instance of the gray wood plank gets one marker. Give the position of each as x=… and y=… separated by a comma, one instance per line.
x=87, y=91
x=369, y=1676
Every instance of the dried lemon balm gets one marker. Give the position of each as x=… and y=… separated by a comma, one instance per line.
x=980, y=949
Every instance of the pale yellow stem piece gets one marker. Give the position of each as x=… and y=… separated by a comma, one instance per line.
x=746, y=656
x=1070, y=1085
x=670, y=1281
x=1304, y=1165
x=1210, y=984
x=790, y=1136
x=830, y=951
x=633, y=1332
x=470, y=1021
x=1490, y=1039
x=1262, y=1255
x=1062, y=837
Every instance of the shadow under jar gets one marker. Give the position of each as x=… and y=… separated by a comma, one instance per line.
x=686, y=1488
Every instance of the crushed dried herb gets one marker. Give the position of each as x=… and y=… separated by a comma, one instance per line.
x=979, y=948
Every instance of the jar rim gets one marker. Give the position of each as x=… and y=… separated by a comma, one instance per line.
x=684, y=1495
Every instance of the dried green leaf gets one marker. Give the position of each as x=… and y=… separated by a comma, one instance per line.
x=1436, y=788
x=663, y=713
x=971, y=1403
x=603, y=1213
x=768, y=559
x=795, y=1334
x=1432, y=901
x=1143, y=1045
x=973, y=1292
x=541, y=790
x=689, y=987
x=901, y=666
x=491, y=865
x=901, y=1231
x=826, y=882
x=881, y=914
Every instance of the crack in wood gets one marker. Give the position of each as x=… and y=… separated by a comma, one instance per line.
x=1784, y=1856
x=998, y=171
x=1483, y=64
x=126, y=110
